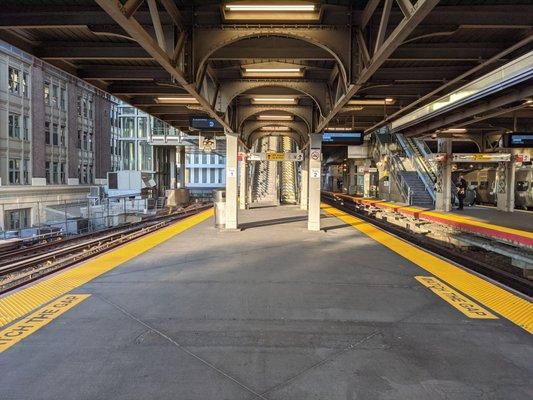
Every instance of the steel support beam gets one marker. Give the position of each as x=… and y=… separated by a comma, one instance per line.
x=133, y=28
x=470, y=112
x=395, y=39
x=462, y=76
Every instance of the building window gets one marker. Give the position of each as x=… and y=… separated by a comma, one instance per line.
x=62, y=138
x=55, y=135
x=90, y=141
x=14, y=80
x=78, y=105
x=90, y=106
x=47, y=93
x=62, y=99
x=62, y=173
x=26, y=171
x=55, y=95
x=84, y=104
x=128, y=127
x=26, y=127
x=14, y=126
x=25, y=85
x=14, y=171
x=47, y=132
x=84, y=141
x=55, y=173
x=17, y=219
x=47, y=171
x=141, y=127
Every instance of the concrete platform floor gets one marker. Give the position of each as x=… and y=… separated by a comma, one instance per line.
x=272, y=312
x=518, y=219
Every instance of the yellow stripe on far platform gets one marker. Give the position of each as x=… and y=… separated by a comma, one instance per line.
x=32, y=323
x=505, y=303
x=22, y=302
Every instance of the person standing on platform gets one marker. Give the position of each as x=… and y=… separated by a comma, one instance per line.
x=461, y=191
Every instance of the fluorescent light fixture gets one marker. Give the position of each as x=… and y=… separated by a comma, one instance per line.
x=275, y=128
x=270, y=7
x=371, y=102
x=272, y=72
x=274, y=100
x=266, y=117
x=272, y=69
x=453, y=130
x=176, y=100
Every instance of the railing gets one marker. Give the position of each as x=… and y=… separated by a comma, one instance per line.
x=396, y=168
x=426, y=152
x=420, y=166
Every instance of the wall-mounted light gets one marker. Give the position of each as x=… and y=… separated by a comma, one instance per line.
x=176, y=100
x=266, y=117
x=371, y=102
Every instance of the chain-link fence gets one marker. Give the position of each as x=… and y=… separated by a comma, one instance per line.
x=30, y=219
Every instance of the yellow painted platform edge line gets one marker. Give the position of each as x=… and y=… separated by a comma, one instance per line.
x=503, y=302
x=18, y=304
x=446, y=216
x=37, y=320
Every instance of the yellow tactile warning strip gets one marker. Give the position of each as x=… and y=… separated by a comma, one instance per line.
x=20, y=303
x=40, y=318
x=456, y=299
x=505, y=303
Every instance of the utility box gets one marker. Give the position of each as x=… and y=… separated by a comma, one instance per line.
x=219, y=200
x=177, y=197
x=124, y=183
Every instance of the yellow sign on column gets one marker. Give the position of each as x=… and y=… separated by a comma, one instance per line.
x=275, y=156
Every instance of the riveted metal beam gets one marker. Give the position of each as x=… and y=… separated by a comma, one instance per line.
x=133, y=28
x=334, y=40
x=317, y=91
x=395, y=39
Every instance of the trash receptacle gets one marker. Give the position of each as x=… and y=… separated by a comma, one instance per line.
x=219, y=199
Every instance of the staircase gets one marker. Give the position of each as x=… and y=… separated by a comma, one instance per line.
x=264, y=183
x=418, y=193
x=416, y=147
x=288, y=175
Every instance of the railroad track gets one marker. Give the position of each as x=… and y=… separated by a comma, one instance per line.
x=461, y=257
x=31, y=263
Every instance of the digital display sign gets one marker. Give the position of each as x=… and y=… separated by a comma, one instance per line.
x=342, y=138
x=520, y=139
x=205, y=124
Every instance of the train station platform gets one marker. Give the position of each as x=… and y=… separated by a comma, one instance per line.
x=271, y=311
x=515, y=227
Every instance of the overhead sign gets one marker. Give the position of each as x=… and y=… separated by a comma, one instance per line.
x=275, y=156
x=357, y=151
x=520, y=139
x=166, y=140
x=481, y=157
x=342, y=138
x=205, y=124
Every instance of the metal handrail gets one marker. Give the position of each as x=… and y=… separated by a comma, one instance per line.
x=420, y=167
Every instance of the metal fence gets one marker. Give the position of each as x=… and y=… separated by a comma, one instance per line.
x=30, y=219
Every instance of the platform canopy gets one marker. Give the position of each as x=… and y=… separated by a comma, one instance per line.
x=302, y=66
